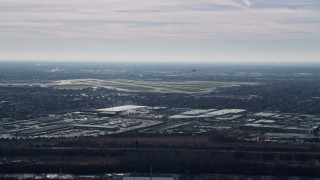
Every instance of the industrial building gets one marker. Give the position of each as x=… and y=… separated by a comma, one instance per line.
x=121, y=109
x=234, y=122
x=44, y=129
x=209, y=114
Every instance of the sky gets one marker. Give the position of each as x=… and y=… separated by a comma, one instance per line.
x=197, y=31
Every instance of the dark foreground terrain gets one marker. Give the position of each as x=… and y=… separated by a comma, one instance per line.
x=162, y=154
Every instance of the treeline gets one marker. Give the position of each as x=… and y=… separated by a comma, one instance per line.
x=161, y=160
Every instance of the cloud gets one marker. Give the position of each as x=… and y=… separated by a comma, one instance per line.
x=247, y=2
x=176, y=19
x=112, y=24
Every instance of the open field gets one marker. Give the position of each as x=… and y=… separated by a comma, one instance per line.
x=147, y=86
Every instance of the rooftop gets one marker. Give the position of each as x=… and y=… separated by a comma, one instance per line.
x=265, y=114
x=226, y=111
x=121, y=108
x=197, y=111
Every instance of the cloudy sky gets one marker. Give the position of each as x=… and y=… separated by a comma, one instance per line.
x=160, y=30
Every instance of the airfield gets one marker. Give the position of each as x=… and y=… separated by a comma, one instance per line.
x=147, y=86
